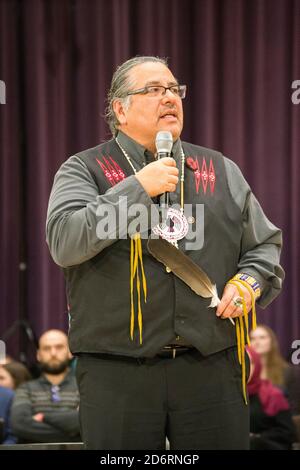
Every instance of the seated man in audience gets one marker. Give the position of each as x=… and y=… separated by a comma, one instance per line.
x=46, y=409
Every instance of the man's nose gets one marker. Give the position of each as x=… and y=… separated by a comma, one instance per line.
x=168, y=96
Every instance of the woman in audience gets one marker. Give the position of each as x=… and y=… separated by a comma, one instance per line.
x=13, y=374
x=271, y=425
x=274, y=367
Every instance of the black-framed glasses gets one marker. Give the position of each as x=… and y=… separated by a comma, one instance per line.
x=55, y=396
x=160, y=90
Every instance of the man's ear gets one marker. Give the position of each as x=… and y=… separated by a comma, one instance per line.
x=38, y=355
x=120, y=111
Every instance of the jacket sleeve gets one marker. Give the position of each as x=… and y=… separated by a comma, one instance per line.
x=66, y=421
x=76, y=207
x=282, y=429
x=8, y=437
x=261, y=241
x=292, y=388
x=23, y=424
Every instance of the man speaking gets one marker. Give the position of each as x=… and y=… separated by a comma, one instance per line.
x=159, y=325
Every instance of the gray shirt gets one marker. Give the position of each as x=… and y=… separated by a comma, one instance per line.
x=61, y=421
x=72, y=219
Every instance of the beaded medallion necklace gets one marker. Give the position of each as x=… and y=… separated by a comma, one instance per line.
x=174, y=226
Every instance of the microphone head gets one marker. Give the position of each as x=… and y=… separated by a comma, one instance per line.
x=164, y=142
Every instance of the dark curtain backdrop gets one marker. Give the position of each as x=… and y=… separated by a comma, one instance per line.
x=238, y=58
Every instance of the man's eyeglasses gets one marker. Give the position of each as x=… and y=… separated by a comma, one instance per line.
x=55, y=396
x=160, y=90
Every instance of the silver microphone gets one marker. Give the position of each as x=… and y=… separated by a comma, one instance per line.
x=164, y=144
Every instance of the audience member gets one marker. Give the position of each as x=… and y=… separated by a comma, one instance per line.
x=274, y=367
x=13, y=374
x=46, y=409
x=271, y=425
x=6, y=397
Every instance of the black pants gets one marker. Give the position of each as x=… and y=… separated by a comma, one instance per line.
x=195, y=401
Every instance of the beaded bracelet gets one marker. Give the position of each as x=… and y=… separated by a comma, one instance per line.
x=251, y=281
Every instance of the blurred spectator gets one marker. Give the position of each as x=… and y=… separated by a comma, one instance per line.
x=6, y=397
x=271, y=425
x=274, y=367
x=46, y=409
x=6, y=360
x=13, y=374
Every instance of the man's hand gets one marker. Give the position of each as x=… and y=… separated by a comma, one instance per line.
x=159, y=177
x=39, y=417
x=226, y=308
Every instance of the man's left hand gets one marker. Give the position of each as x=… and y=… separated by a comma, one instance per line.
x=226, y=308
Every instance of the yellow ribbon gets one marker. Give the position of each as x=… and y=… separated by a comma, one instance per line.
x=136, y=258
x=242, y=325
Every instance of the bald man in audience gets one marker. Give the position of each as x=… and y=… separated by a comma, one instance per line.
x=46, y=409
